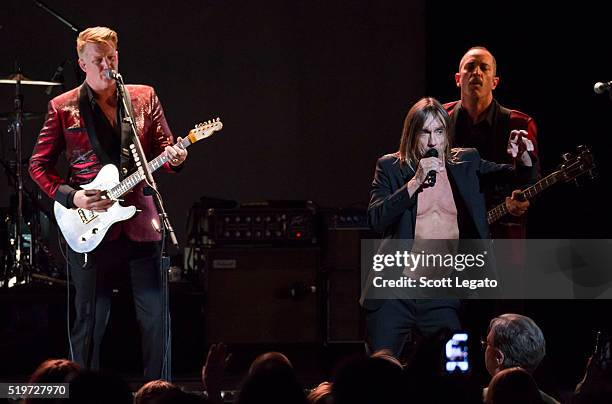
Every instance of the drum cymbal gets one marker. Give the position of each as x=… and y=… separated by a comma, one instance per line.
x=10, y=116
x=14, y=78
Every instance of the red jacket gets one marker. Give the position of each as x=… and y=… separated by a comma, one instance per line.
x=517, y=121
x=504, y=121
x=70, y=131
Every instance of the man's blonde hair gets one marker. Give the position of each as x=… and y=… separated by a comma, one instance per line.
x=99, y=35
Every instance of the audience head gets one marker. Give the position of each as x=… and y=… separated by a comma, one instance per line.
x=513, y=385
x=514, y=340
x=53, y=371
x=163, y=392
x=388, y=356
x=322, y=394
x=270, y=360
x=271, y=379
x=93, y=387
x=365, y=380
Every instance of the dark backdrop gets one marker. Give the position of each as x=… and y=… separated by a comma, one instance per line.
x=310, y=93
x=549, y=57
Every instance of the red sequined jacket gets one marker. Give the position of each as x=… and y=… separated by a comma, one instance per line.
x=69, y=129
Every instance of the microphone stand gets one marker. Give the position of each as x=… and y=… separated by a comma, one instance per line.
x=74, y=28
x=125, y=105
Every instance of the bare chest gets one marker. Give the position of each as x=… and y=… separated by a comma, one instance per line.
x=437, y=212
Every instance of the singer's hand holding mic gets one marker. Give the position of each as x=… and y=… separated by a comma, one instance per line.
x=427, y=168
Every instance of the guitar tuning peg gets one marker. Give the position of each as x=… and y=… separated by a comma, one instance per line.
x=583, y=149
x=208, y=122
x=567, y=157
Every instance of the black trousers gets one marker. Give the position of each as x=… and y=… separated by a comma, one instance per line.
x=390, y=323
x=94, y=275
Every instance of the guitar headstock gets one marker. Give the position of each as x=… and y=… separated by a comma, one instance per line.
x=573, y=166
x=204, y=130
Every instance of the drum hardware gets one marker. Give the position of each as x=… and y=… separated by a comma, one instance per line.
x=21, y=246
x=10, y=116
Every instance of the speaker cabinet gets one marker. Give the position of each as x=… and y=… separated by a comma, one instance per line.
x=262, y=295
x=345, y=320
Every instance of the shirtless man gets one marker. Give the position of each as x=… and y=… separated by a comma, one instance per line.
x=406, y=204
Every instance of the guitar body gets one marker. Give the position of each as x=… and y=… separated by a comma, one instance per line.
x=84, y=229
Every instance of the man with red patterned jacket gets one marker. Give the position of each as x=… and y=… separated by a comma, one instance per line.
x=499, y=134
x=84, y=124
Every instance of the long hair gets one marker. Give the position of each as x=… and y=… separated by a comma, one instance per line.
x=413, y=123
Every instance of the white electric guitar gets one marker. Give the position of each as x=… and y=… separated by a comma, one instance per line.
x=84, y=229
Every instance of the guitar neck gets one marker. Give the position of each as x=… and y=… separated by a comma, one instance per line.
x=135, y=178
x=500, y=210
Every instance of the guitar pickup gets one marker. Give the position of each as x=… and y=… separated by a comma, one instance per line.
x=86, y=216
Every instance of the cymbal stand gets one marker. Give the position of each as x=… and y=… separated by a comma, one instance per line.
x=19, y=265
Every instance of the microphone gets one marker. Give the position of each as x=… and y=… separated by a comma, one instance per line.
x=113, y=75
x=430, y=180
x=57, y=76
x=600, y=87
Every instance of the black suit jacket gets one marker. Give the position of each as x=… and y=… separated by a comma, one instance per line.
x=392, y=212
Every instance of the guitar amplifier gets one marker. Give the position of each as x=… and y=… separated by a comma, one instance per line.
x=287, y=224
x=261, y=295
